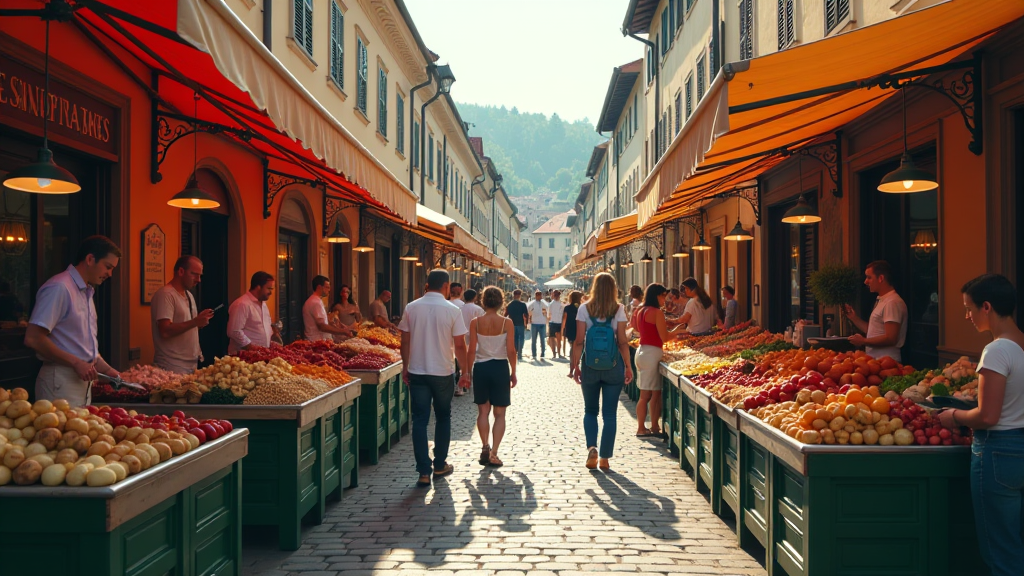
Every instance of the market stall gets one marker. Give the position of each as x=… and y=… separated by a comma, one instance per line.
x=83, y=496
x=385, y=411
x=829, y=476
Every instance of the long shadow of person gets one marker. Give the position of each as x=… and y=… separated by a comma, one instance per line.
x=447, y=531
x=634, y=506
x=500, y=497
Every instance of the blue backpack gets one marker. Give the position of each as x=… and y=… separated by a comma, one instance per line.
x=600, y=351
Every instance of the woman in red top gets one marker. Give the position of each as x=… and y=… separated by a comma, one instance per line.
x=650, y=322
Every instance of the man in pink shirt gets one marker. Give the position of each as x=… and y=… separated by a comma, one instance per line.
x=249, y=321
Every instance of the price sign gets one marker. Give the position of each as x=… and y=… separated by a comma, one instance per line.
x=154, y=243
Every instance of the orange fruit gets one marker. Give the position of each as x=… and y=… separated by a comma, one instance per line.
x=874, y=391
x=854, y=395
x=808, y=418
x=860, y=379
x=880, y=405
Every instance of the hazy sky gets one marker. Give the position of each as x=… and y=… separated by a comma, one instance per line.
x=538, y=55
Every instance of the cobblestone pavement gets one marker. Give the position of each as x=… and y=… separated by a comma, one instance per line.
x=542, y=513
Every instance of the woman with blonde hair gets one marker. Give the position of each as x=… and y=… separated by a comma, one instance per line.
x=601, y=342
x=492, y=361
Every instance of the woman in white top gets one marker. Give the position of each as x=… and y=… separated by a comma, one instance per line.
x=492, y=356
x=345, y=312
x=699, y=315
x=997, y=452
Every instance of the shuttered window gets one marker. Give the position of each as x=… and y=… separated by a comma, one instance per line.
x=361, y=75
x=337, y=45
x=430, y=156
x=679, y=111
x=399, y=123
x=836, y=11
x=746, y=29
x=382, y=102
x=701, y=76
x=689, y=4
x=786, y=23
x=302, y=29
x=689, y=96
x=415, y=148
x=679, y=13
x=666, y=31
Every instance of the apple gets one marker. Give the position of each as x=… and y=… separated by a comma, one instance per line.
x=198, y=433
x=210, y=431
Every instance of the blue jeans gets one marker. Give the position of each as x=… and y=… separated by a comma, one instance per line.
x=601, y=389
x=520, y=336
x=997, y=488
x=539, y=331
x=423, y=390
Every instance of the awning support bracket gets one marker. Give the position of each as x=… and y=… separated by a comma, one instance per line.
x=169, y=127
x=695, y=221
x=274, y=182
x=332, y=207
x=828, y=154
x=750, y=193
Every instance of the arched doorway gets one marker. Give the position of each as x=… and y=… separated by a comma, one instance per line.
x=293, y=233
x=204, y=233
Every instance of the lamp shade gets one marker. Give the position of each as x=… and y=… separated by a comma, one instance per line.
x=682, y=252
x=738, y=234
x=193, y=197
x=42, y=177
x=410, y=255
x=362, y=246
x=647, y=258
x=907, y=179
x=661, y=257
x=925, y=241
x=802, y=213
x=702, y=245
x=445, y=78
x=338, y=236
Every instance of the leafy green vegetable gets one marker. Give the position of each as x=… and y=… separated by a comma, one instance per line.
x=900, y=383
x=218, y=395
x=940, y=389
x=753, y=353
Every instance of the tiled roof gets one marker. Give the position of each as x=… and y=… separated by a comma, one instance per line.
x=556, y=225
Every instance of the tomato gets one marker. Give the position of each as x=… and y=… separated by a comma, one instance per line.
x=198, y=433
x=216, y=426
x=227, y=426
x=211, y=432
x=179, y=414
x=192, y=423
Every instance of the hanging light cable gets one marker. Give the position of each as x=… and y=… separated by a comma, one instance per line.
x=738, y=233
x=908, y=178
x=194, y=197
x=802, y=213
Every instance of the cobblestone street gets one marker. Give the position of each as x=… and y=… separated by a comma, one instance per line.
x=542, y=513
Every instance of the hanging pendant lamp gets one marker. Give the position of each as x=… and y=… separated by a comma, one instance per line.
x=908, y=178
x=661, y=257
x=738, y=233
x=647, y=258
x=702, y=245
x=410, y=255
x=362, y=245
x=194, y=197
x=43, y=176
x=338, y=236
x=802, y=213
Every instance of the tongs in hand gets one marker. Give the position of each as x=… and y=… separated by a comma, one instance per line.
x=117, y=383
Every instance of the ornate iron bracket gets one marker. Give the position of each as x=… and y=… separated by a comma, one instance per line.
x=332, y=207
x=751, y=194
x=169, y=128
x=274, y=182
x=829, y=155
x=964, y=92
x=695, y=221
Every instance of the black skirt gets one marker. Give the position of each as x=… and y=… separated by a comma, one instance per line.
x=492, y=383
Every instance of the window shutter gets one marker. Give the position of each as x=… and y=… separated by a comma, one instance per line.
x=679, y=12
x=298, y=30
x=382, y=103
x=361, y=76
x=679, y=112
x=337, y=45
x=701, y=75
x=665, y=31
x=746, y=29
x=689, y=96
x=835, y=12
x=307, y=12
x=399, y=123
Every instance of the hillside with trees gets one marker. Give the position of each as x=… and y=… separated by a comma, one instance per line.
x=533, y=152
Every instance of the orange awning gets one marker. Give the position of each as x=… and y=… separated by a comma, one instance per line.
x=616, y=232
x=750, y=109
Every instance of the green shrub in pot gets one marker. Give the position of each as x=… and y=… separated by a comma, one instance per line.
x=833, y=285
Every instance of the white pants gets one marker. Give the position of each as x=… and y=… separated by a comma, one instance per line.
x=647, y=360
x=57, y=381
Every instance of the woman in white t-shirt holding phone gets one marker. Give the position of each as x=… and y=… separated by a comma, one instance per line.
x=997, y=452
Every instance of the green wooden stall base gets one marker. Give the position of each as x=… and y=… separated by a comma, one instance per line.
x=181, y=517
x=300, y=457
x=384, y=411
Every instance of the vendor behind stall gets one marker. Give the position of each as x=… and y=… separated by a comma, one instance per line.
x=886, y=329
x=314, y=314
x=62, y=328
x=379, y=312
x=249, y=321
x=176, y=319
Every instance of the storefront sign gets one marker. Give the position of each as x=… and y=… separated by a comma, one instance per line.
x=153, y=247
x=72, y=114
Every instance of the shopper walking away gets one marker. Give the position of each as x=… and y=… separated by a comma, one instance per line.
x=469, y=310
x=699, y=314
x=538, y=310
x=601, y=341
x=569, y=325
x=555, y=309
x=731, y=306
x=650, y=323
x=997, y=450
x=886, y=329
x=516, y=312
x=432, y=338
x=492, y=357
x=455, y=295
x=177, y=319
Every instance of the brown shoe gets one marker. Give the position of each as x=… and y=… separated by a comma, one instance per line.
x=604, y=464
x=448, y=469
x=424, y=481
x=592, y=459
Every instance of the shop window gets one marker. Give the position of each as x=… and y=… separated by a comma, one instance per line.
x=786, y=23
x=1018, y=156
x=337, y=45
x=204, y=234
x=792, y=257
x=302, y=29
x=361, y=75
x=292, y=281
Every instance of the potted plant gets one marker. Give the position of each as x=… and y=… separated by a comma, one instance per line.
x=835, y=285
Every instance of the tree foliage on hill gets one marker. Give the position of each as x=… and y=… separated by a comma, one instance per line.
x=533, y=152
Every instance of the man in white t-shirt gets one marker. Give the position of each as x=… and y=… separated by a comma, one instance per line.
x=538, y=310
x=314, y=314
x=177, y=319
x=455, y=295
x=555, y=309
x=433, y=337
x=469, y=311
x=886, y=329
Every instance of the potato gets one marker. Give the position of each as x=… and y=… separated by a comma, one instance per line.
x=157, y=434
x=164, y=450
x=120, y=450
x=33, y=449
x=76, y=477
x=106, y=438
x=43, y=459
x=112, y=457
x=43, y=407
x=192, y=440
x=144, y=458
x=133, y=433
x=61, y=405
x=27, y=473
x=48, y=420
x=54, y=475
x=5, y=405
x=14, y=457
x=93, y=434
x=48, y=437
x=150, y=432
x=77, y=425
x=20, y=442
x=179, y=447
x=5, y=475
x=19, y=394
x=66, y=455
x=154, y=456
x=101, y=477
x=69, y=437
x=128, y=443
x=95, y=460
x=28, y=432
x=82, y=444
x=25, y=420
x=133, y=463
x=62, y=419
x=120, y=432
x=99, y=448
x=141, y=439
x=13, y=434
x=4, y=395
x=5, y=422
x=120, y=471
x=17, y=409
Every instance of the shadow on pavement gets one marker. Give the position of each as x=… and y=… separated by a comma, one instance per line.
x=498, y=496
x=655, y=515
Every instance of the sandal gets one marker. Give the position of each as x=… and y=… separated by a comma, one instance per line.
x=646, y=434
x=592, y=459
x=494, y=461
x=485, y=455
